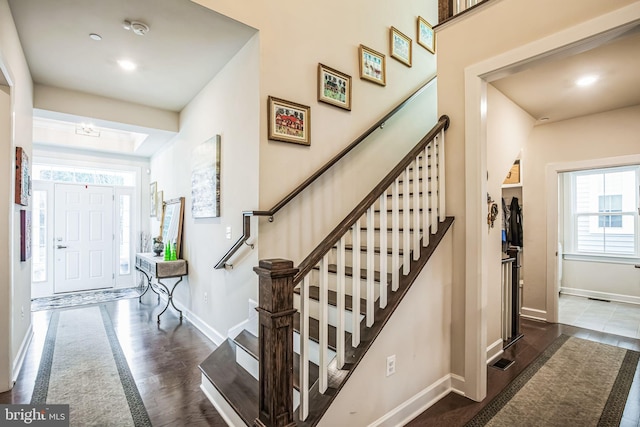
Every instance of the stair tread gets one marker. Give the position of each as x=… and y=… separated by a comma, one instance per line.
x=232, y=381
x=251, y=344
x=314, y=294
x=363, y=248
x=348, y=271
x=389, y=210
x=389, y=228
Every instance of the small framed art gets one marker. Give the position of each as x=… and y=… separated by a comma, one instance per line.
x=153, y=199
x=334, y=87
x=400, y=46
x=372, y=65
x=23, y=177
x=426, y=35
x=289, y=121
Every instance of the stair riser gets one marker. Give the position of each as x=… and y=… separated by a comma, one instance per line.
x=314, y=350
x=314, y=311
x=376, y=219
x=412, y=203
x=376, y=238
x=333, y=255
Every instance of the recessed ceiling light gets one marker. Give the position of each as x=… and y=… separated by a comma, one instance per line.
x=127, y=65
x=587, y=80
x=96, y=37
x=544, y=119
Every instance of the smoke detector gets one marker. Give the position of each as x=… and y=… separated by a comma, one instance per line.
x=139, y=28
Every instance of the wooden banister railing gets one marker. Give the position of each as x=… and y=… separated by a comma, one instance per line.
x=416, y=187
x=448, y=9
x=246, y=224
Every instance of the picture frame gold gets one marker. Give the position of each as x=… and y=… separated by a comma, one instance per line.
x=289, y=121
x=400, y=46
x=334, y=87
x=373, y=65
x=426, y=36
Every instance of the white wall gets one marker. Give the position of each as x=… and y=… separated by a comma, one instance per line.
x=508, y=128
x=329, y=32
x=418, y=334
x=603, y=280
x=228, y=106
x=507, y=37
x=15, y=276
x=605, y=135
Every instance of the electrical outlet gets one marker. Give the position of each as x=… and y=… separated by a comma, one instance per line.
x=228, y=233
x=206, y=298
x=22, y=311
x=391, y=365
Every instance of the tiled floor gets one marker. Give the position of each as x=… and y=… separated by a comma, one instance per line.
x=610, y=317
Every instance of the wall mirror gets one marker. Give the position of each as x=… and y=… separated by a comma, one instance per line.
x=171, y=223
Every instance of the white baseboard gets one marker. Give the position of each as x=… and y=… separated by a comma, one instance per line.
x=22, y=353
x=600, y=295
x=234, y=331
x=214, y=336
x=494, y=351
x=219, y=402
x=533, y=314
x=416, y=405
x=457, y=384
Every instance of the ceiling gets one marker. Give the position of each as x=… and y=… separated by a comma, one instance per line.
x=547, y=90
x=185, y=47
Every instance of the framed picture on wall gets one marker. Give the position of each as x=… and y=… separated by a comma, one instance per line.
x=334, y=87
x=400, y=46
x=25, y=235
x=289, y=121
x=426, y=35
x=372, y=65
x=153, y=199
x=23, y=177
x=205, y=179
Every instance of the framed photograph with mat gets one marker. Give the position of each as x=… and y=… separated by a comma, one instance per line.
x=334, y=87
x=289, y=121
x=372, y=65
x=400, y=46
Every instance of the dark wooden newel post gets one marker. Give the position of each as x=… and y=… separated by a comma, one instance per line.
x=276, y=311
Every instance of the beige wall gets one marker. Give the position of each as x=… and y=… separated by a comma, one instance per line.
x=294, y=38
x=228, y=106
x=614, y=282
x=496, y=29
x=16, y=129
x=422, y=355
x=508, y=128
x=610, y=134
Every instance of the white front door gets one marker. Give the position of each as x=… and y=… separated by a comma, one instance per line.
x=84, y=239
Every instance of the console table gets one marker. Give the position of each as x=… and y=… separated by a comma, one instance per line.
x=155, y=266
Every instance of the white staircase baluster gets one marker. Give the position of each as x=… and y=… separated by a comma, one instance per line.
x=383, y=249
x=304, y=348
x=340, y=305
x=370, y=265
x=441, y=174
x=355, y=286
x=425, y=197
x=395, y=236
x=416, y=209
x=323, y=320
x=406, y=223
x=433, y=202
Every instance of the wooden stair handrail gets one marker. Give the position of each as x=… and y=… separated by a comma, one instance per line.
x=316, y=255
x=246, y=225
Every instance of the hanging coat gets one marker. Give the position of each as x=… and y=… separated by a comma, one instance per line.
x=515, y=223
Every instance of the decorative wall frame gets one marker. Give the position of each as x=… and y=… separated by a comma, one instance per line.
x=334, y=87
x=205, y=179
x=426, y=35
x=400, y=46
x=25, y=235
x=23, y=177
x=372, y=65
x=153, y=199
x=289, y=121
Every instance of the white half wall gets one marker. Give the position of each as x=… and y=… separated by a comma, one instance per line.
x=616, y=282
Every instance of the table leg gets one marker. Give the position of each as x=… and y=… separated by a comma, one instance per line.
x=147, y=287
x=169, y=297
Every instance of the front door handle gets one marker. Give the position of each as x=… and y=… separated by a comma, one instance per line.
x=61, y=247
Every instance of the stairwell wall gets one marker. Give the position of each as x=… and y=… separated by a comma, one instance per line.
x=294, y=37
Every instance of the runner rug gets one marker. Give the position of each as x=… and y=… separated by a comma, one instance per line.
x=575, y=382
x=83, y=366
x=82, y=298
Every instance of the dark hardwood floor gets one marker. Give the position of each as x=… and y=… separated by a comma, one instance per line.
x=164, y=362
x=455, y=410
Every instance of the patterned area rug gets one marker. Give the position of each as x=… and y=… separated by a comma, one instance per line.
x=575, y=382
x=84, y=366
x=83, y=298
